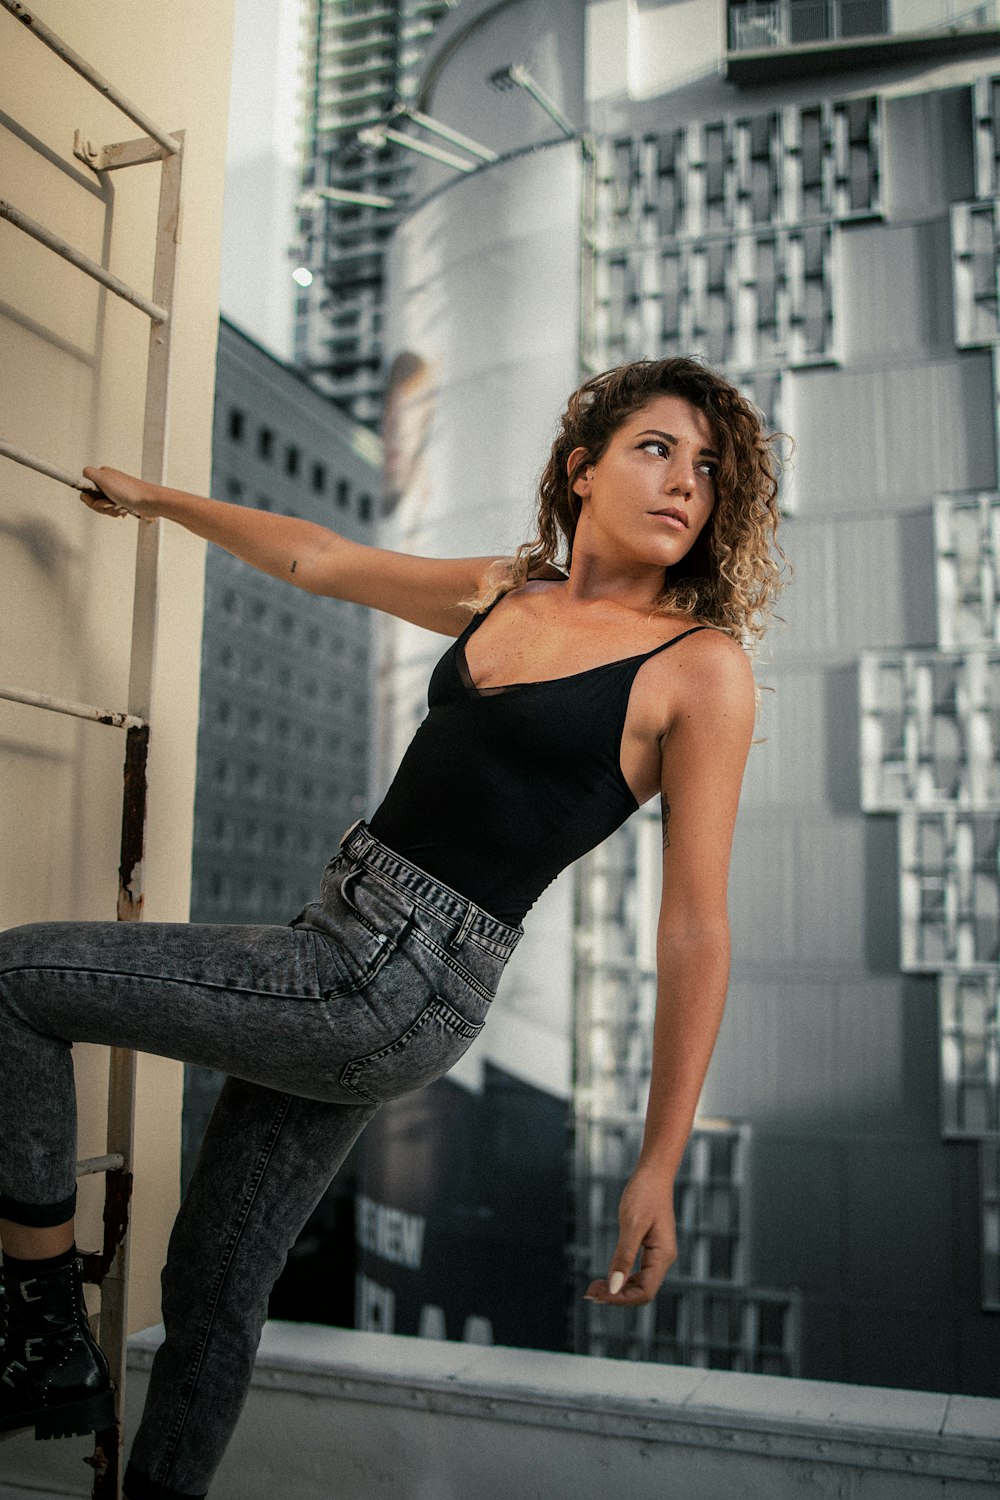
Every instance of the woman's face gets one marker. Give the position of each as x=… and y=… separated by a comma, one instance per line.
x=650, y=494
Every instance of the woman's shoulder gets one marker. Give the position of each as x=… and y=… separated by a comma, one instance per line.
x=707, y=665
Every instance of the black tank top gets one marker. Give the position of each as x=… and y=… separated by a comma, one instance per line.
x=501, y=788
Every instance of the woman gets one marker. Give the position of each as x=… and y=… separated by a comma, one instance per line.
x=564, y=703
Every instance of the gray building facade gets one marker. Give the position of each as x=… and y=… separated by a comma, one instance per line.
x=283, y=739
x=808, y=197
x=286, y=677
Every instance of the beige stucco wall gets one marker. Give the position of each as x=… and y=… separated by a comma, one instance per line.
x=72, y=376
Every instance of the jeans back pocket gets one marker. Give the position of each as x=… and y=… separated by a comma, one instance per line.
x=429, y=1046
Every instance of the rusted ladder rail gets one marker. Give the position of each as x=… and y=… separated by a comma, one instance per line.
x=108, y=1266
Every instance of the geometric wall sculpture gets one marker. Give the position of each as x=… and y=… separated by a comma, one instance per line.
x=718, y=238
x=930, y=750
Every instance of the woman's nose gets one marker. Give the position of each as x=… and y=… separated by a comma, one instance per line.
x=680, y=473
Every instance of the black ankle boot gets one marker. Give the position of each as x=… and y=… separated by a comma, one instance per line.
x=53, y=1377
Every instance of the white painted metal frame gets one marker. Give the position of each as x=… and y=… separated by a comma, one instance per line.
x=109, y=1266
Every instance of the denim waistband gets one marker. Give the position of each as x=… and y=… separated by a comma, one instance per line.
x=366, y=850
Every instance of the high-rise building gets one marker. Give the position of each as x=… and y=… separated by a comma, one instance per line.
x=283, y=734
x=360, y=66
x=806, y=194
x=285, y=684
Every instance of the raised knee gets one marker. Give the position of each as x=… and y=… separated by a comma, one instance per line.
x=24, y=947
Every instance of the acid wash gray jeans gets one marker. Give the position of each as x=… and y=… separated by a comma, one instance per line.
x=375, y=990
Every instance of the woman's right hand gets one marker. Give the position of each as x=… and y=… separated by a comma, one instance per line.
x=119, y=494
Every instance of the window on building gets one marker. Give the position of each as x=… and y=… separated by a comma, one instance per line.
x=365, y=507
x=234, y=489
x=265, y=443
x=343, y=492
x=237, y=424
x=319, y=478
x=292, y=457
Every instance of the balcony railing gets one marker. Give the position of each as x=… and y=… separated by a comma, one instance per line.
x=757, y=27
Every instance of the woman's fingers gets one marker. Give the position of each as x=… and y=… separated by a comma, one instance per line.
x=100, y=503
x=647, y=1233
x=115, y=493
x=625, y=1287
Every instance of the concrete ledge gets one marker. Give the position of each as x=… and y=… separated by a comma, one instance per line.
x=395, y=1416
x=367, y=1416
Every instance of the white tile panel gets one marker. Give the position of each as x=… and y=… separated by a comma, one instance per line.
x=876, y=439
x=926, y=152
x=888, y=305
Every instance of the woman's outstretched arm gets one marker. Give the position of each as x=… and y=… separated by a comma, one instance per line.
x=704, y=753
x=425, y=591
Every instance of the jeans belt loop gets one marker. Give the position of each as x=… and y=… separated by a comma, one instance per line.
x=348, y=831
x=463, y=928
x=361, y=841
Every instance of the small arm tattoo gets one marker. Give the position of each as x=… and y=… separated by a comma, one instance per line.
x=665, y=819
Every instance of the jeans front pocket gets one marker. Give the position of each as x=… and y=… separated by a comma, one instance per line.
x=366, y=919
x=428, y=1047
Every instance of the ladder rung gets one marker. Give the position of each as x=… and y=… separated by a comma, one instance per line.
x=67, y=706
x=92, y=1164
x=91, y=268
x=42, y=465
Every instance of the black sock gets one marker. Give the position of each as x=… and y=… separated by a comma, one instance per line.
x=21, y=1270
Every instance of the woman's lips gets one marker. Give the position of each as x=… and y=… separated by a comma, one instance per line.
x=672, y=518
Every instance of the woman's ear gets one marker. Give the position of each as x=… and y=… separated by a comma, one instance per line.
x=581, y=484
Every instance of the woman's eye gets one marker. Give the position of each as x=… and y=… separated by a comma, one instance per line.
x=655, y=446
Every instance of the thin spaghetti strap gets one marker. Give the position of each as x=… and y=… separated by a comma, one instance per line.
x=478, y=619
x=673, y=641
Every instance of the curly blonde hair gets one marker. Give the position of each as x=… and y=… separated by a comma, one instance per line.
x=733, y=574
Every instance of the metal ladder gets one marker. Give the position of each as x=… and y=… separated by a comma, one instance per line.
x=108, y=1266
